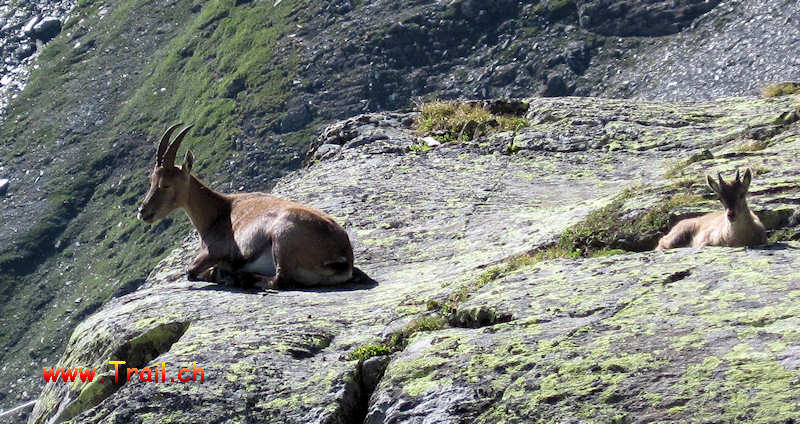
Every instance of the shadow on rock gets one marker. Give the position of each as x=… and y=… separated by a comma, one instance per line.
x=775, y=246
x=245, y=283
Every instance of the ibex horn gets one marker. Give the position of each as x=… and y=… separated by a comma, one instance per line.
x=169, y=156
x=162, y=145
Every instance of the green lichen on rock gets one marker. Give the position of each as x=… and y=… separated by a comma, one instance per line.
x=606, y=332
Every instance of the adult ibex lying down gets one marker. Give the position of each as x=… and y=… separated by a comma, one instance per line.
x=277, y=241
x=735, y=226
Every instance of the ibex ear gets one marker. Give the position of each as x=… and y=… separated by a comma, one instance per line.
x=188, y=161
x=713, y=184
x=748, y=176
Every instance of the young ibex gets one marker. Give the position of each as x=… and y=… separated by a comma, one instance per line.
x=735, y=226
x=277, y=241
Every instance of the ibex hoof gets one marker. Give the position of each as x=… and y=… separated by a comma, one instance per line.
x=224, y=277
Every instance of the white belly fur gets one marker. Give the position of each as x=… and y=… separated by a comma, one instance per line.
x=262, y=265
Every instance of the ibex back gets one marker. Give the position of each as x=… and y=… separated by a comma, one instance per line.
x=277, y=241
x=735, y=226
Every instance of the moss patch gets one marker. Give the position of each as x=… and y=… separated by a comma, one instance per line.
x=367, y=351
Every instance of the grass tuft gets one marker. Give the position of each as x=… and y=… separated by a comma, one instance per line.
x=457, y=121
x=780, y=89
x=362, y=353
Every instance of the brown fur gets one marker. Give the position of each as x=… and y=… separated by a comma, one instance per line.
x=244, y=232
x=735, y=226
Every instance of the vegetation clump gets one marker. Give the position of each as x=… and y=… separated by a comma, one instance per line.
x=367, y=351
x=398, y=340
x=457, y=121
x=780, y=89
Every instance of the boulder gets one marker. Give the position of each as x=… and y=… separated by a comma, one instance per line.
x=46, y=29
x=477, y=334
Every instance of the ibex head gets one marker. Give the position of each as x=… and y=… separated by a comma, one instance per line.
x=732, y=195
x=169, y=184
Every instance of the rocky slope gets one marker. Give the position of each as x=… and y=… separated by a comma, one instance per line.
x=260, y=79
x=688, y=334
x=27, y=26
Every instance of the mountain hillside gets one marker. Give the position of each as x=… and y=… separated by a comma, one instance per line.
x=260, y=79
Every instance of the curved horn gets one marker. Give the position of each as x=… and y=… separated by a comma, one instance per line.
x=169, y=156
x=162, y=145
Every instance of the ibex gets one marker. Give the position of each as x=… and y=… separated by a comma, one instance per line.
x=735, y=226
x=278, y=242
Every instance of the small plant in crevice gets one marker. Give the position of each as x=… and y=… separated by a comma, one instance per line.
x=419, y=148
x=398, y=340
x=364, y=352
x=451, y=122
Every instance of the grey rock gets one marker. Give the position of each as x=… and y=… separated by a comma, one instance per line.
x=4, y=185
x=298, y=115
x=372, y=371
x=577, y=56
x=46, y=29
x=340, y=6
x=555, y=86
x=326, y=151
x=24, y=50
x=28, y=28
